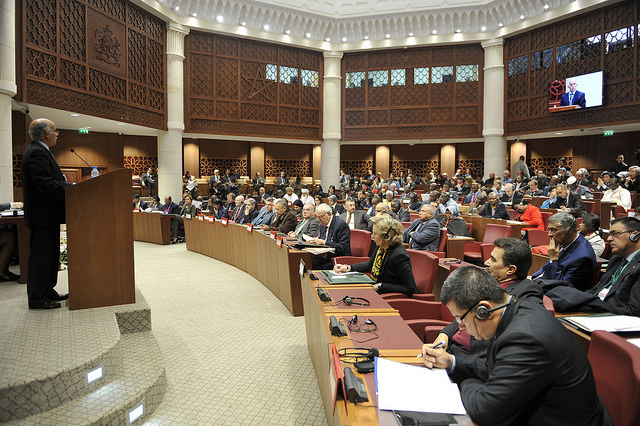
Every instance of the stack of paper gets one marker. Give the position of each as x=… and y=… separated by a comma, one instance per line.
x=403, y=387
x=611, y=323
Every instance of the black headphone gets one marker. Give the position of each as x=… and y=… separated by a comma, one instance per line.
x=572, y=225
x=393, y=221
x=482, y=312
x=634, y=237
x=362, y=354
x=369, y=326
x=348, y=300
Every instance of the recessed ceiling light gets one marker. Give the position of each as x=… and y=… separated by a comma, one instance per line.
x=458, y=30
x=521, y=16
x=176, y=9
x=220, y=19
x=546, y=7
x=266, y=27
x=195, y=15
x=434, y=32
x=243, y=23
x=410, y=34
x=365, y=37
x=387, y=35
x=500, y=24
x=307, y=35
x=287, y=31
x=73, y=114
x=344, y=39
x=559, y=133
x=483, y=28
x=328, y=39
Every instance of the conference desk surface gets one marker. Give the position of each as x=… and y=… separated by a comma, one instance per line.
x=255, y=253
x=23, y=243
x=152, y=227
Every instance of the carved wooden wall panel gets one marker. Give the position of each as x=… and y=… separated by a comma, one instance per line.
x=208, y=165
x=421, y=93
x=357, y=167
x=140, y=164
x=17, y=168
x=292, y=168
x=549, y=164
x=475, y=166
x=602, y=40
x=98, y=57
x=243, y=87
x=418, y=167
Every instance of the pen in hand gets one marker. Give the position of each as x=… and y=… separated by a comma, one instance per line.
x=439, y=345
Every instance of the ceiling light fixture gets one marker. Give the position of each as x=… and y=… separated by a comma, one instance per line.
x=220, y=19
x=176, y=9
x=344, y=39
x=328, y=39
x=365, y=37
x=387, y=35
x=195, y=15
x=410, y=34
x=521, y=16
x=243, y=23
x=500, y=24
x=266, y=27
x=287, y=32
x=458, y=30
x=483, y=28
x=546, y=7
x=307, y=35
x=73, y=114
x=434, y=32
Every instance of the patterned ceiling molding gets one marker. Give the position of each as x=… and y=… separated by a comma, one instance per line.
x=350, y=20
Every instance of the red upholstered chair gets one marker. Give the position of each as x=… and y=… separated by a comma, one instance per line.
x=537, y=237
x=545, y=219
x=360, y=242
x=413, y=216
x=618, y=212
x=424, y=265
x=473, y=251
x=406, y=225
x=440, y=254
x=616, y=369
x=443, y=240
x=470, y=228
x=349, y=260
x=419, y=314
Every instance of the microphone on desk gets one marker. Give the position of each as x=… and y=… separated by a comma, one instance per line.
x=73, y=151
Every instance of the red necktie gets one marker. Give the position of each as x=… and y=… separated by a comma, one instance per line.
x=473, y=199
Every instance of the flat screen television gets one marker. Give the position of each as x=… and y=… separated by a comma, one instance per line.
x=575, y=93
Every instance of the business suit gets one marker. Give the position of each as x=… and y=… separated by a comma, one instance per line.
x=190, y=210
x=469, y=198
x=500, y=211
x=142, y=205
x=284, y=223
x=282, y=182
x=396, y=275
x=360, y=219
x=248, y=218
x=426, y=235
x=532, y=375
x=338, y=209
x=307, y=227
x=171, y=208
x=516, y=198
x=237, y=214
x=149, y=180
x=43, y=187
x=574, y=203
x=402, y=215
x=575, y=264
x=337, y=236
x=264, y=217
x=578, y=99
x=623, y=297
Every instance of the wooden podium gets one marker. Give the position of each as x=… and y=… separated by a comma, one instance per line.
x=100, y=241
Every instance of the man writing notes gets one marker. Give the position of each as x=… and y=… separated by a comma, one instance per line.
x=44, y=211
x=573, y=96
x=333, y=232
x=532, y=375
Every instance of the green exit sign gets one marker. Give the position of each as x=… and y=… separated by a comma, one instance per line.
x=608, y=132
x=83, y=131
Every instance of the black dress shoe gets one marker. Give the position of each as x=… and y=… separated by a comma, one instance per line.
x=57, y=297
x=47, y=304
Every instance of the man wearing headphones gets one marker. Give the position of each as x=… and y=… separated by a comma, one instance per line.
x=571, y=257
x=535, y=375
x=618, y=291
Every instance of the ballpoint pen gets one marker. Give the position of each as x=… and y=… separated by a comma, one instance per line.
x=439, y=345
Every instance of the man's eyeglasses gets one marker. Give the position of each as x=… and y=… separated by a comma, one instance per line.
x=459, y=320
x=616, y=234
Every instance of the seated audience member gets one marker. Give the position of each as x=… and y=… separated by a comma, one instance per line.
x=139, y=204
x=490, y=180
x=562, y=164
x=475, y=191
x=454, y=223
x=590, y=229
x=285, y=219
x=520, y=183
x=262, y=195
x=461, y=187
x=434, y=196
x=7, y=246
x=583, y=177
x=266, y=213
x=305, y=197
x=563, y=175
x=184, y=195
x=410, y=185
x=494, y=208
x=332, y=191
x=155, y=204
x=390, y=265
x=617, y=194
x=571, y=257
x=290, y=196
x=511, y=196
x=169, y=207
x=603, y=181
x=187, y=209
x=566, y=200
x=332, y=232
x=318, y=191
x=509, y=264
x=506, y=178
x=453, y=194
x=444, y=202
x=356, y=219
x=530, y=214
x=336, y=207
x=250, y=211
x=553, y=182
x=308, y=225
x=296, y=206
x=398, y=212
x=258, y=182
x=533, y=189
x=553, y=194
x=532, y=375
x=618, y=291
x=237, y=213
x=375, y=200
x=387, y=197
x=476, y=207
x=215, y=209
x=619, y=165
x=231, y=202
x=424, y=232
x=317, y=200
x=582, y=191
x=498, y=188
x=631, y=182
x=414, y=202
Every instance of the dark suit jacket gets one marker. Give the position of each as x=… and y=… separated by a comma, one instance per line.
x=402, y=215
x=575, y=265
x=575, y=203
x=43, y=187
x=578, y=99
x=396, y=275
x=426, y=235
x=360, y=220
x=533, y=375
x=188, y=210
x=633, y=185
x=517, y=198
x=173, y=208
x=624, y=296
x=143, y=205
x=248, y=218
x=337, y=236
x=338, y=209
x=501, y=211
x=285, y=223
x=264, y=217
x=239, y=211
x=310, y=227
x=469, y=197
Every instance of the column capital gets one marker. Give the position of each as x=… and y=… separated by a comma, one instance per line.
x=8, y=88
x=494, y=42
x=175, y=41
x=332, y=54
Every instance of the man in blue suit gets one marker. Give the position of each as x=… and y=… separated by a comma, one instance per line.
x=573, y=96
x=333, y=232
x=571, y=257
x=475, y=191
x=424, y=232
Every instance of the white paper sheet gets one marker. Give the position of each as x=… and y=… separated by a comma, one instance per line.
x=410, y=388
x=634, y=342
x=612, y=323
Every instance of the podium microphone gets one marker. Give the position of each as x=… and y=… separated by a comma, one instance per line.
x=73, y=151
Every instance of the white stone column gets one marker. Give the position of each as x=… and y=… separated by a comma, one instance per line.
x=331, y=120
x=170, y=142
x=495, y=144
x=8, y=90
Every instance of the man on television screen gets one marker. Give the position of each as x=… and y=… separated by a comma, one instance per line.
x=573, y=96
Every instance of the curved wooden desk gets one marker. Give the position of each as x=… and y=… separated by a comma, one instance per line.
x=255, y=253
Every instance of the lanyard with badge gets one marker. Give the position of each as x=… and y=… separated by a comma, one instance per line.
x=602, y=294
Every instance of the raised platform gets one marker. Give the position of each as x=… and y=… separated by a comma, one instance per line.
x=45, y=356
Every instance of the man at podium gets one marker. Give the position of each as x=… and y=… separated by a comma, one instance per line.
x=43, y=190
